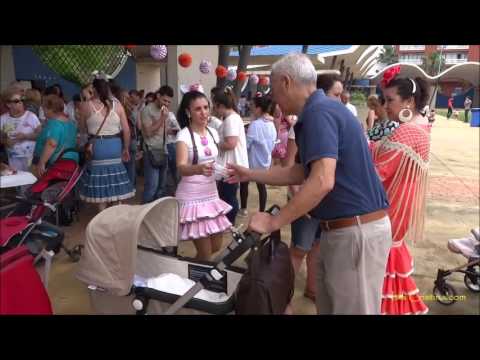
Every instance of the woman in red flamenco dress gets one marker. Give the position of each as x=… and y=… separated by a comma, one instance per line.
x=401, y=159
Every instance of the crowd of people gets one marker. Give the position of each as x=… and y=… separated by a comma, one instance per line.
x=355, y=190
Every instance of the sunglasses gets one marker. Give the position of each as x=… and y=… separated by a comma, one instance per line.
x=16, y=101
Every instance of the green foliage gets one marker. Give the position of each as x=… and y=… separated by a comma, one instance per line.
x=388, y=56
x=358, y=97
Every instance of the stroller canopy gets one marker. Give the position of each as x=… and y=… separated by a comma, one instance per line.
x=110, y=253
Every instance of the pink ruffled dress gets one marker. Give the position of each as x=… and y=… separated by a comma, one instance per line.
x=202, y=212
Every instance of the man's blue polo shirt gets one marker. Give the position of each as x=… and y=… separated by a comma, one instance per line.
x=327, y=129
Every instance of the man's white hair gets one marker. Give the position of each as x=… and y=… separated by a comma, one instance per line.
x=298, y=67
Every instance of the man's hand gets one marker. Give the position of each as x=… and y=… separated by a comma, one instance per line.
x=237, y=174
x=21, y=136
x=263, y=223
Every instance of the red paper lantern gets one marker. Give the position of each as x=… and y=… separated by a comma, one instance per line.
x=185, y=60
x=264, y=81
x=221, y=71
x=241, y=76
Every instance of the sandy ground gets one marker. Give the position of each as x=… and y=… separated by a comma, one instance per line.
x=452, y=210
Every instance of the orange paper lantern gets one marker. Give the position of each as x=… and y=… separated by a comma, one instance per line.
x=221, y=71
x=241, y=76
x=185, y=60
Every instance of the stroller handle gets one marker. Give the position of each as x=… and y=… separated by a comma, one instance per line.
x=241, y=244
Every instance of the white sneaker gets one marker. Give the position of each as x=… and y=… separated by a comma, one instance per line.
x=243, y=212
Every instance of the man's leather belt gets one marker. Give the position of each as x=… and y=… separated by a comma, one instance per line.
x=346, y=222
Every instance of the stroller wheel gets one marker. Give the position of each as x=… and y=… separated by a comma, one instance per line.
x=472, y=282
x=445, y=294
x=76, y=253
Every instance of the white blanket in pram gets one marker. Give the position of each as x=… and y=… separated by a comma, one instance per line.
x=467, y=246
x=175, y=284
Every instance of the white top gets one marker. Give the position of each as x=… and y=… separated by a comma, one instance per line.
x=352, y=108
x=233, y=126
x=26, y=124
x=261, y=136
x=291, y=133
x=215, y=123
x=184, y=136
x=112, y=125
x=150, y=114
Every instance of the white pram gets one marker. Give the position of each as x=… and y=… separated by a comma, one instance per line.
x=469, y=247
x=130, y=264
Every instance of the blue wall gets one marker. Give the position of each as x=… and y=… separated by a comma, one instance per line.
x=28, y=66
x=458, y=100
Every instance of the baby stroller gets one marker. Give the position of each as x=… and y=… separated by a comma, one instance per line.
x=42, y=238
x=130, y=265
x=469, y=247
x=21, y=289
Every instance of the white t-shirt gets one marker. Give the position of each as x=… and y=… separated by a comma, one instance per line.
x=233, y=126
x=291, y=133
x=26, y=124
x=352, y=108
x=203, y=157
x=215, y=123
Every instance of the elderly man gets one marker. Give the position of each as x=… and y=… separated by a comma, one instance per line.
x=341, y=189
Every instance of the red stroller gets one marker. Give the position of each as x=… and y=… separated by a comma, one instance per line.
x=17, y=272
x=41, y=238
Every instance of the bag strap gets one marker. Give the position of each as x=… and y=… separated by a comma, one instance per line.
x=104, y=120
x=195, y=150
x=216, y=144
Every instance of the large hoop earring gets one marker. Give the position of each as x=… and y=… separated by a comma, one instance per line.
x=405, y=115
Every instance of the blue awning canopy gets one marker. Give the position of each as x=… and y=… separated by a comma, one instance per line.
x=279, y=50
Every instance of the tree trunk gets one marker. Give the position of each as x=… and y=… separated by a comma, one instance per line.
x=304, y=49
x=243, y=59
x=223, y=51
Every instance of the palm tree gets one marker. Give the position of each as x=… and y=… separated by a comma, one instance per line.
x=434, y=63
x=388, y=55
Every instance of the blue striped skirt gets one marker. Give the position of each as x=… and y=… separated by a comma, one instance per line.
x=106, y=179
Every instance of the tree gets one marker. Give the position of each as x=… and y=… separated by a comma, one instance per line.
x=243, y=59
x=433, y=63
x=223, y=52
x=304, y=49
x=388, y=55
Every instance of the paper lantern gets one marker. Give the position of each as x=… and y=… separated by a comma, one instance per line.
x=185, y=60
x=264, y=81
x=158, y=52
x=241, y=76
x=221, y=71
x=231, y=75
x=254, y=79
x=205, y=66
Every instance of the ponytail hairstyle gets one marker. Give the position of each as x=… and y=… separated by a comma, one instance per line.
x=187, y=99
x=226, y=98
x=103, y=91
x=408, y=88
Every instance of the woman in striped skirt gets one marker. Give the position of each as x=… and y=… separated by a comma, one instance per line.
x=105, y=179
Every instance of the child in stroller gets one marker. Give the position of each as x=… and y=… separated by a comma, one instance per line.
x=469, y=247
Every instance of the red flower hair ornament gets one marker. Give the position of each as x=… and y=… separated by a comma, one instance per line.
x=389, y=75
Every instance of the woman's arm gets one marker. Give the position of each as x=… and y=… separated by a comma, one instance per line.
x=229, y=143
x=370, y=119
x=48, y=150
x=125, y=132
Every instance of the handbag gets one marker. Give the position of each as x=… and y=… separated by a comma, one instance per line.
x=268, y=285
x=158, y=158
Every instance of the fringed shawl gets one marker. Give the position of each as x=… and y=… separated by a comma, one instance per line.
x=402, y=160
